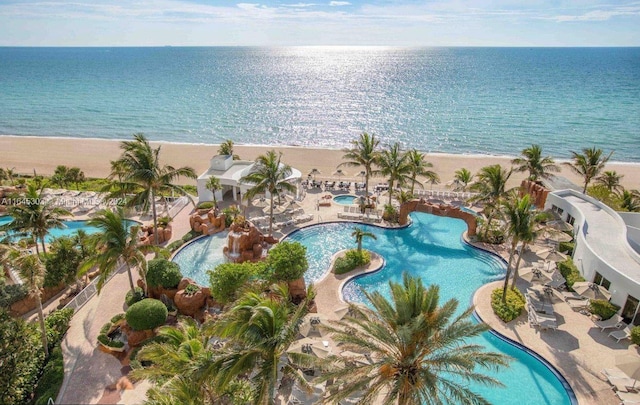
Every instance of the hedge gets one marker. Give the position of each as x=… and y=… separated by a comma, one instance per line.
x=570, y=272
x=205, y=205
x=134, y=296
x=635, y=335
x=57, y=324
x=350, y=261
x=513, y=306
x=163, y=273
x=287, y=261
x=12, y=293
x=603, y=308
x=566, y=247
x=146, y=314
x=51, y=380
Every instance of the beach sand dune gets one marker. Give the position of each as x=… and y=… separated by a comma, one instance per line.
x=93, y=156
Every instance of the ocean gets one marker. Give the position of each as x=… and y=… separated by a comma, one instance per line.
x=492, y=101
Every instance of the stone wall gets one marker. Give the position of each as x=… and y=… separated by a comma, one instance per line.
x=441, y=210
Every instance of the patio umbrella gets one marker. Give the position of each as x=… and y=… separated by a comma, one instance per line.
x=353, y=357
x=560, y=225
x=591, y=290
x=362, y=174
x=557, y=236
x=628, y=364
x=309, y=346
x=314, y=172
x=553, y=256
x=339, y=173
x=311, y=325
x=532, y=274
x=260, y=202
x=342, y=311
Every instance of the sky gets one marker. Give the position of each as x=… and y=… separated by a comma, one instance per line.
x=324, y=22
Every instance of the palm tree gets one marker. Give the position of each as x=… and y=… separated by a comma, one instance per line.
x=32, y=271
x=611, y=180
x=261, y=328
x=226, y=149
x=268, y=175
x=10, y=173
x=491, y=188
x=360, y=234
x=418, y=349
x=393, y=164
x=362, y=153
x=404, y=196
x=213, y=184
x=418, y=166
x=116, y=244
x=141, y=173
x=588, y=164
x=462, y=178
x=36, y=216
x=521, y=227
x=532, y=161
x=629, y=200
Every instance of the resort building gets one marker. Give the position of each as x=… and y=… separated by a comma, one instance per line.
x=607, y=246
x=229, y=172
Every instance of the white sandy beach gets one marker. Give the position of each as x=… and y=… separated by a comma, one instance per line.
x=93, y=156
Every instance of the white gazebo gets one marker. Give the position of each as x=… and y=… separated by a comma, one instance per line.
x=229, y=172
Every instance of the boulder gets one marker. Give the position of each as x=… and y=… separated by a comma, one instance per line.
x=185, y=282
x=189, y=304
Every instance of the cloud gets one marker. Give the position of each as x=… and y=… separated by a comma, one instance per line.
x=598, y=15
x=339, y=3
x=300, y=5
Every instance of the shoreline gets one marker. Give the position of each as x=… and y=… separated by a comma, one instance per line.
x=93, y=156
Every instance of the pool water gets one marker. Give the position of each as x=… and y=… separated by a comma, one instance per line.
x=346, y=199
x=201, y=255
x=70, y=229
x=432, y=249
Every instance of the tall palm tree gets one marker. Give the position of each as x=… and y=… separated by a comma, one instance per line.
x=213, y=184
x=32, y=272
x=588, y=164
x=36, y=216
x=417, y=347
x=116, y=244
x=611, y=180
x=404, y=196
x=532, y=161
x=363, y=152
x=269, y=175
x=418, y=166
x=10, y=172
x=463, y=178
x=360, y=234
x=522, y=224
x=491, y=189
x=393, y=164
x=261, y=328
x=226, y=148
x=142, y=174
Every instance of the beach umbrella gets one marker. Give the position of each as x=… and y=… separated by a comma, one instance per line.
x=560, y=225
x=354, y=358
x=553, y=256
x=629, y=364
x=309, y=346
x=339, y=173
x=591, y=290
x=557, y=236
x=532, y=274
x=314, y=172
x=311, y=325
x=342, y=311
x=260, y=202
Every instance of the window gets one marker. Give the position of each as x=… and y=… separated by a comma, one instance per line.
x=602, y=281
x=630, y=310
x=570, y=219
x=557, y=209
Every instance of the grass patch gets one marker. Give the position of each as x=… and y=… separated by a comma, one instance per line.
x=350, y=261
x=512, y=308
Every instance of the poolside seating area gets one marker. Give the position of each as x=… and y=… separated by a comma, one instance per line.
x=280, y=221
x=540, y=310
x=352, y=212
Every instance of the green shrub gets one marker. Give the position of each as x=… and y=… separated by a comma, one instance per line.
x=570, y=272
x=163, y=273
x=134, y=296
x=205, y=205
x=566, y=247
x=287, y=261
x=62, y=262
x=51, y=380
x=146, y=314
x=350, y=261
x=57, y=324
x=635, y=335
x=117, y=318
x=230, y=214
x=105, y=340
x=12, y=293
x=513, y=307
x=390, y=213
x=164, y=221
x=191, y=289
x=603, y=308
x=227, y=279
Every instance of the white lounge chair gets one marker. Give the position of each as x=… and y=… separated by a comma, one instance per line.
x=618, y=335
x=613, y=322
x=571, y=295
x=629, y=398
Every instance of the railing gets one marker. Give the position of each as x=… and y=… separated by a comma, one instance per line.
x=178, y=205
x=88, y=292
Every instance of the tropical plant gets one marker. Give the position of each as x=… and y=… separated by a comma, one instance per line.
x=611, y=180
x=260, y=329
x=35, y=216
x=227, y=279
x=268, y=175
x=418, y=349
x=214, y=185
x=60, y=175
x=629, y=201
x=588, y=164
x=76, y=176
x=32, y=271
x=10, y=174
x=146, y=314
x=404, y=196
x=287, y=261
x=462, y=178
x=532, y=161
x=491, y=189
x=362, y=153
x=226, y=149
x=521, y=223
x=360, y=234
x=116, y=244
x=143, y=176
x=163, y=273
x=418, y=166
x=393, y=164
x=62, y=262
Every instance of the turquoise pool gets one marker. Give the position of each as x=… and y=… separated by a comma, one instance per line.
x=432, y=249
x=70, y=229
x=345, y=199
x=201, y=255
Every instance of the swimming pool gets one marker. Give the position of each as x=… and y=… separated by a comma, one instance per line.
x=201, y=255
x=70, y=229
x=345, y=199
x=432, y=249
